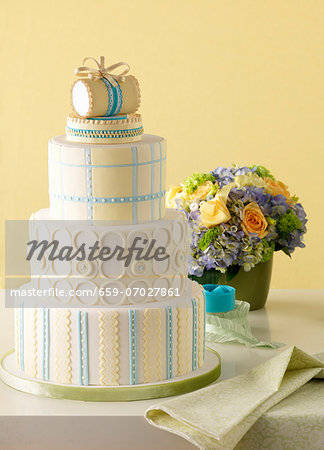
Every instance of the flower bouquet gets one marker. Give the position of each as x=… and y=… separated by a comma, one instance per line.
x=238, y=216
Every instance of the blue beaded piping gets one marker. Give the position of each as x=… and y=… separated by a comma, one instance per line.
x=89, y=182
x=194, y=334
x=139, y=198
x=101, y=134
x=132, y=314
x=169, y=337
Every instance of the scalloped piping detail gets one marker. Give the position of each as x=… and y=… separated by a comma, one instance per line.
x=115, y=350
x=131, y=118
x=179, y=327
x=103, y=348
x=68, y=346
x=90, y=97
x=139, y=99
x=158, y=346
x=146, y=346
x=102, y=134
x=183, y=344
x=187, y=365
x=152, y=345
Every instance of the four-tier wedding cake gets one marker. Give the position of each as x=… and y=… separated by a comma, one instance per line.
x=144, y=321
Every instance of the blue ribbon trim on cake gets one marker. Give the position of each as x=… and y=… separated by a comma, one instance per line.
x=139, y=198
x=152, y=178
x=194, y=334
x=115, y=98
x=89, y=182
x=169, y=337
x=124, y=117
x=135, y=177
x=83, y=348
x=133, y=374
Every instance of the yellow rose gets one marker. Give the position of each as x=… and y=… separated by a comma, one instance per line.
x=277, y=187
x=171, y=195
x=250, y=179
x=214, y=212
x=254, y=220
x=202, y=191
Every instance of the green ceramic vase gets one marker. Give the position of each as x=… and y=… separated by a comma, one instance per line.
x=252, y=287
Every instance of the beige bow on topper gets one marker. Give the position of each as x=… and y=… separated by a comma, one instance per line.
x=101, y=71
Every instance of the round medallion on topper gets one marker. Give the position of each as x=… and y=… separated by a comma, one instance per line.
x=219, y=298
x=98, y=92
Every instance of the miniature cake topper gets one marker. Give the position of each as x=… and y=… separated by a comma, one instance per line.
x=98, y=92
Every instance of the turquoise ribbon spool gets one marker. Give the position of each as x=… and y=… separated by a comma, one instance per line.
x=219, y=298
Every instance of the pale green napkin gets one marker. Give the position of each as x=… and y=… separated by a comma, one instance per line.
x=218, y=416
x=233, y=326
x=297, y=422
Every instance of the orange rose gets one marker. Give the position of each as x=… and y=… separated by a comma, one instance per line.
x=202, y=191
x=277, y=187
x=254, y=221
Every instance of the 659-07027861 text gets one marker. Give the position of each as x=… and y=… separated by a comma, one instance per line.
x=106, y=291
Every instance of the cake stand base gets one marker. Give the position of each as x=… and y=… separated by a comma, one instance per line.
x=17, y=379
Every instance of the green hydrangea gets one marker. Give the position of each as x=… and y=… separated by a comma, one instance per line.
x=208, y=238
x=268, y=249
x=213, y=190
x=287, y=223
x=195, y=180
x=271, y=221
x=263, y=172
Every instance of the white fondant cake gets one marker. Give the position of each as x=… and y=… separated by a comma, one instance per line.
x=115, y=336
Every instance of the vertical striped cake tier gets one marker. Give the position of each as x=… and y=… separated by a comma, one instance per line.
x=126, y=345
x=124, y=183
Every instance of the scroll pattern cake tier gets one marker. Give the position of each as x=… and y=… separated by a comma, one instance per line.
x=142, y=281
x=107, y=347
x=124, y=183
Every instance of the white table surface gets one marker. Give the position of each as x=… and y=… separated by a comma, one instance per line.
x=295, y=317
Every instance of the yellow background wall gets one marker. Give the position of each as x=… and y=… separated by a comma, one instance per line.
x=224, y=81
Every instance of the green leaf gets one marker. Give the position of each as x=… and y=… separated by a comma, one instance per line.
x=286, y=251
x=232, y=271
x=263, y=172
x=209, y=277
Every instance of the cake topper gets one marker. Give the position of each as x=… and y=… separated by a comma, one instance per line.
x=101, y=71
x=98, y=92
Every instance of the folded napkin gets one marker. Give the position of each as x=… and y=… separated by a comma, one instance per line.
x=218, y=416
x=233, y=326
